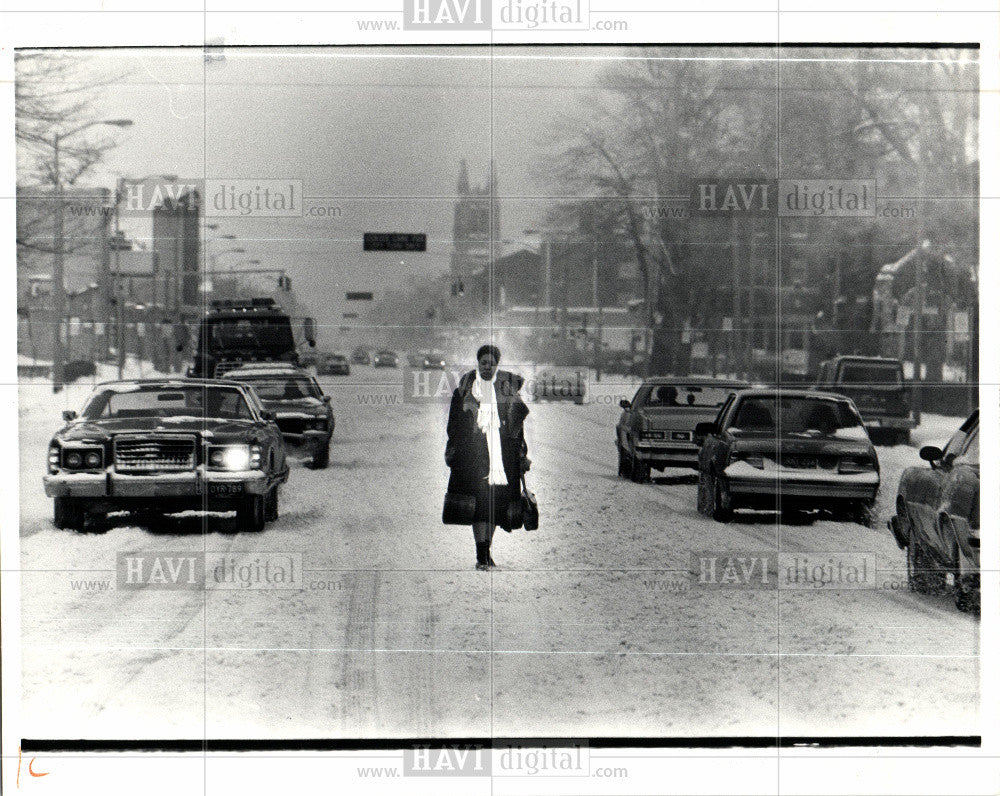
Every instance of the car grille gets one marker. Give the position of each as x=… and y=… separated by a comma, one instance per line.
x=809, y=462
x=143, y=454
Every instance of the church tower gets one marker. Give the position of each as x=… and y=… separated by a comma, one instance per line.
x=472, y=230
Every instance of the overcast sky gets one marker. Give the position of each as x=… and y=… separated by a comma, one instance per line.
x=389, y=125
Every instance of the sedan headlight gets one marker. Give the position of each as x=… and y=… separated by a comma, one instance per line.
x=229, y=457
x=653, y=435
x=76, y=458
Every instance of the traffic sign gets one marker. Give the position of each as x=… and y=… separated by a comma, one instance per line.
x=395, y=242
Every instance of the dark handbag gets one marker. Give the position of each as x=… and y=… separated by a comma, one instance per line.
x=458, y=509
x=523, y=511
x=529, y=507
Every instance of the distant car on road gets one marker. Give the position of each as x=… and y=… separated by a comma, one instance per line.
x=793, y=449
x=878, y=389
x=937, y=517
x=386, y=359
x=301, y=410
x=333, y=365
x=656, y=428
x=432, y=362
x=165, y=446
x=360, y=356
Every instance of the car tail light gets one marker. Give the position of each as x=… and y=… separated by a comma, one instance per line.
x=857, y=465
x=753, y=459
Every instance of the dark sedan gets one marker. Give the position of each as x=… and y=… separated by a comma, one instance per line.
x=386, y=359
x=301, y=410
x=790, y=449
x=937, y=517
x=333, y=365
x=165, y=446
x=656, y=428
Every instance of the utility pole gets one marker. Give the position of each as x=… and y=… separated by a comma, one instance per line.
x=737, y=333
x=58, y=278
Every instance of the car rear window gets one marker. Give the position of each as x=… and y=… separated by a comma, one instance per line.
x=795, y=415
x=870, y=373
x=683, y=395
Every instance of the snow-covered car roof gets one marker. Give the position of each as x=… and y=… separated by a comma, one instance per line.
x=235, y=373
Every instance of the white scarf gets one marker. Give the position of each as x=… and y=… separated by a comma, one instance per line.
x=488, y=420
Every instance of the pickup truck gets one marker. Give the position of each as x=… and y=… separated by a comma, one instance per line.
x=878, y=389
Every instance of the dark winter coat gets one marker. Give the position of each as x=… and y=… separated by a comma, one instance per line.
x=467, y=453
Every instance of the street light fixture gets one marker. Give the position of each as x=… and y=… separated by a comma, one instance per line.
x=58, y=269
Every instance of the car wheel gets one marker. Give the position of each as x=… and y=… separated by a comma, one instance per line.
x=967, y=594
x=704, y=494
x=924, y=575
x=640, y=470
x=250, y=515
x=271, y=505
x=321, y=458
x=68, y=514
x=722, y=504
x=623, y=464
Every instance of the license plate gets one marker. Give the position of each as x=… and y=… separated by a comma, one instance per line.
x=800, y=462
x=225, y=489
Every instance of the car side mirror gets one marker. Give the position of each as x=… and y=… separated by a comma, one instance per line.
x=69, y=415
x=624, y=404
x=326, y=399
x=267, y=416
x=703, y=430
x=930, y=453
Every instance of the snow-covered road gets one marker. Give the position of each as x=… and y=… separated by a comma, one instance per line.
x=594, y=625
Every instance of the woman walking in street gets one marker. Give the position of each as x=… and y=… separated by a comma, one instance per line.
x=486, y=450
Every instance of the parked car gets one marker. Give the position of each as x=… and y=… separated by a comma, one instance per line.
x=386, y=359
x=360, y=356
x=333, y=365
x=790, y=449
x=656, y=428
x=878, y=389
x=937, y=517
x=432, y=362
x=165, y=446
x=301, y=410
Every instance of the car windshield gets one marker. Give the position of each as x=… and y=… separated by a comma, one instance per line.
x=283, y=388
x=796, y=415
x=870, y=373
x=194, y=401
x=705, y=396
x=251, y=332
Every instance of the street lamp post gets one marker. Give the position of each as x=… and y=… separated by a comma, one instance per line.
x=58, y=262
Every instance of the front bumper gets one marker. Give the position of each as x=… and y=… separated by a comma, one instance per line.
x=743, y=479
x=194, y=484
